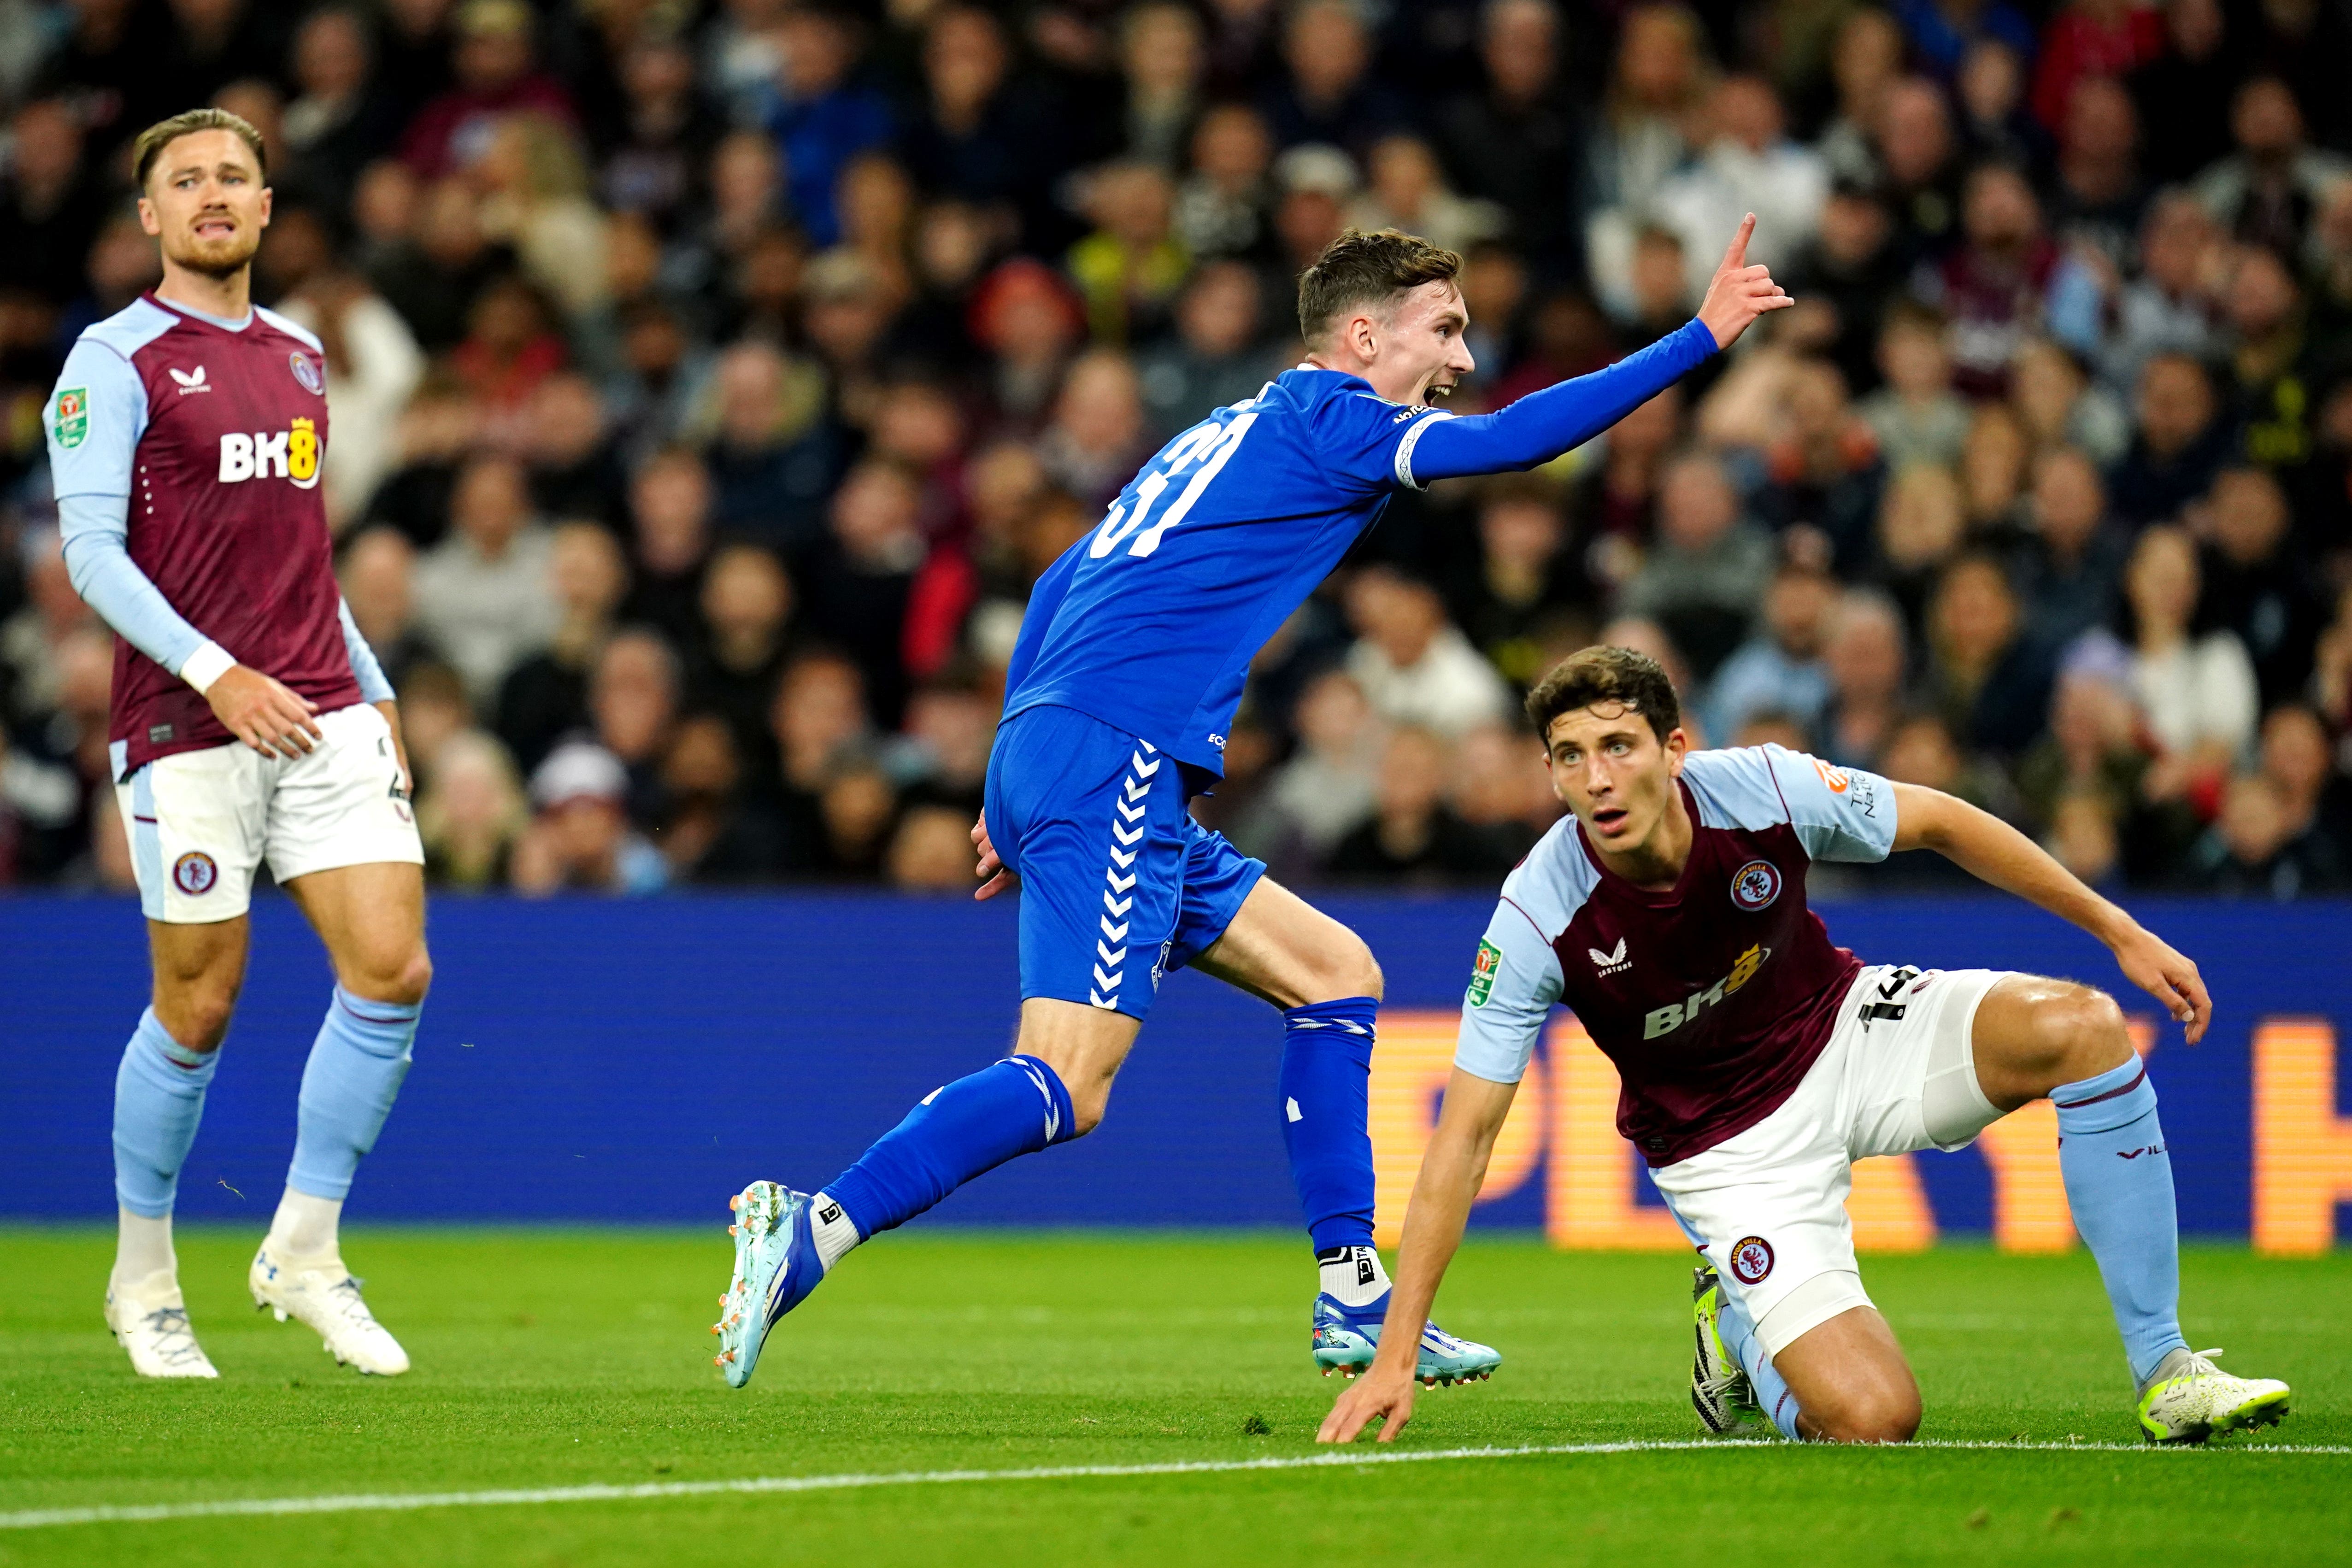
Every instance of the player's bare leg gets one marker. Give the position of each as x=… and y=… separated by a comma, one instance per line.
x=1850, y=1382
x=1324, y=978
x=158, y=1099
x=372, y=918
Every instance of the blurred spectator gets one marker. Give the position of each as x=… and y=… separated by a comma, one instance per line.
x=1865, y=661
x=2069, y=569
x=707, y=836
x=2184, y=92
x=581, y=839
x=1523, y=580
x=932, y=852
x=859, y=579
x=1513, y=140
x=1414, y=837
x=339, y=118
x=378, y=573
x=2170, y=307
x=1325, y=791
x=670, y=502
x=495, y=75
x=1917, y=416
x=821, y=726
x=1995, y=284
x=2253, y=587
x=1329, y=94
x=482, y=594
x=1215, y=356
x=1922, y=521
x=822, y=115
x=2181, y=442
x=1994, y=471
x=1097, y=439
x=1656, y=87
x=1750, y=165
x=746, y=608
x=2058, y=406
x=1222, y=207
x=1131, y=265
x=574, y=473
x=633, y=696
x=1407, y=191
x=2087, y=39
x=470, y=814
x=1989, y=684
x=54, y=208
x=2257, y=848
x=1413, y=667
x=1783, y=670
x=2197, y=692
x=2269, y=190
x=1705, y=578
x=545, y=696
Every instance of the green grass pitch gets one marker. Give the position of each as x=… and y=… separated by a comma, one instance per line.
x=550, y=1359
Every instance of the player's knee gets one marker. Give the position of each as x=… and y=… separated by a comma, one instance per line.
x=1087, y=1108
x=1888, y=1413
x=401, y=976
x=198, y=1018
x=1350, y=970
x=2079, y=1034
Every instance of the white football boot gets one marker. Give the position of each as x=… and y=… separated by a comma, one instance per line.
x=320, y=1293
x=2190, y=1400
x=151, y=1321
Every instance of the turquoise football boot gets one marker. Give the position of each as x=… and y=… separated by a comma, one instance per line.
x=776, y=1267
x=1346, y=1338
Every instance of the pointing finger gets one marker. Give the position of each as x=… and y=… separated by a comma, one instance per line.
x=1736, y=256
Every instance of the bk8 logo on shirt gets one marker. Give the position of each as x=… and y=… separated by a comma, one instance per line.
x=292, y=454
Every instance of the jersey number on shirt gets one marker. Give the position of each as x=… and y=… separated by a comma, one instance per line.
x=1208, y=443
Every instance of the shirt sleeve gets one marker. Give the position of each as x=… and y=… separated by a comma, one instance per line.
x=374, y=687
x=98, y=561
x=1840, y=813
x=95, y=418
x=1513, y=985
x=1365, y=443
x=1541, y=425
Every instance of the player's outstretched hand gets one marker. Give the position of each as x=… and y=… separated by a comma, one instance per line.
x=2149, y=962
x=995, y=877
x=1382, y=1391
x=265, y=715
x=1740, y=293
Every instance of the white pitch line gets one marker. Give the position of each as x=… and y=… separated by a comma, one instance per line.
x=374, y=1502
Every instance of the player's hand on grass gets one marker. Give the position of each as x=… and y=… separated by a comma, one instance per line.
x=994, y=876
x=1740, y=293
x=265, y=714
x=1383, y=1390
x=2171, y=977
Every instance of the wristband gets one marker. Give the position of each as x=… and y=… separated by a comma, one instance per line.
x=206, y=665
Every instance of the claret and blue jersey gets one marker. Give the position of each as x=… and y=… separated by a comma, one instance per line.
x=1147, y=626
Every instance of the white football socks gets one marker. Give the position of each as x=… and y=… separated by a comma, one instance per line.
x=143, y=1248
x=305, y=1226
x=833, y=1231
x=1352, y=1276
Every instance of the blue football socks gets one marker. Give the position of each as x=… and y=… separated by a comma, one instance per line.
x=353, y=1074
x=2119, y=1184
x=1017, y=1106
x=158, y=1098
x=1326, y=1066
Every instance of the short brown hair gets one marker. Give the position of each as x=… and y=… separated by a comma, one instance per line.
x=1360, y=269
x=1605, y=675
x=163, y=132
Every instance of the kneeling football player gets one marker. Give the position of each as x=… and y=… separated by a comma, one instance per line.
x=1759, y=1062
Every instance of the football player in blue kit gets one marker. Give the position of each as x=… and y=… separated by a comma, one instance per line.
x=1122, y=688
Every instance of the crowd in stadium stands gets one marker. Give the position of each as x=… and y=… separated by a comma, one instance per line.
x=711, y=380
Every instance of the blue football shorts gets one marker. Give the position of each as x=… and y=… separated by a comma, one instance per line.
x=1118, y=884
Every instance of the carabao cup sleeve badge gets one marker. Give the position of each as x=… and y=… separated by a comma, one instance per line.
x=1489, y=962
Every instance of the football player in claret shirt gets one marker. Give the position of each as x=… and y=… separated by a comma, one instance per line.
x=250, y=721
x=1759, y=1062
x=1122, y=689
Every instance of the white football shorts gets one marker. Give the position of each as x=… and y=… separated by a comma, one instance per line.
x=1767, y=1206
x=201, y=822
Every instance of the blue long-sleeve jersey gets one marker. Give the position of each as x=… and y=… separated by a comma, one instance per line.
x=1149, y=623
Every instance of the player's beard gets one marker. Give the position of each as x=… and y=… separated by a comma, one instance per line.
x=218, y=258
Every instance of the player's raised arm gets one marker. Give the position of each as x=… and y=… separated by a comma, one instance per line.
x=1541, y=425
x=1452, y=1170
x=1991, y=851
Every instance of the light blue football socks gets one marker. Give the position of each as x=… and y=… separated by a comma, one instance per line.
x=1324, y=1085
x=2119, y=1183
x=1764, y=1380
x=1017, y=1106
x=158, y=1098
x=353, y=1075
